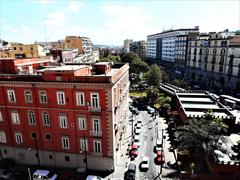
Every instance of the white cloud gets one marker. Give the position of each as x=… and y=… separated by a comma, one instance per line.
x=75, y=6
x=55, y=19
x=126, y=22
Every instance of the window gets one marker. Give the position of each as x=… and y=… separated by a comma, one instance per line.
x=82, y=123
x=31, y=48
x=11, y=96
x=96, y=125
x=48, y=137
x=31, y=118
x=3, y=138
x=1, y=116
x=67, y=158
x=58, y=78
x=94, y=100
x=21, y=48
x=14, y=48
x=18, y=138
x=43, y=97
x=84, y=144
x=63, y=121
x=28, y=96
x=15, y=118
x=46, y=119
x=50, y=156
x=220, y=68
x=80, y=99
x=65, y=143
x=212, y=67
x=60, y=98
x=214, y=51
x=97, y=147
x=222, y=51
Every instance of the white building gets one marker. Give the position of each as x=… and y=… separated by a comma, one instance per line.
x=161, y=46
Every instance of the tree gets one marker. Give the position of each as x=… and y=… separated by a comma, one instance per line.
x=129, y=57
x=138, y=66
x=152, y=95
x=110, y=58
x=200, y=138
x=154, y=76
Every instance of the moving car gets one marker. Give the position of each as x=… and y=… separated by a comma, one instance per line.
x=145, y=163
x=44, y=175
x=5, y=174
x=131, y=172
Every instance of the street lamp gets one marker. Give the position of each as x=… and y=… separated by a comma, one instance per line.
x=34, y=135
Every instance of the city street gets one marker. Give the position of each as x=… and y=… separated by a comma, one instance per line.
x=151, y=131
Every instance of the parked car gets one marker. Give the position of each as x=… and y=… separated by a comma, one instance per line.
x=131, y=172
x=160, y=159
x=44, y=175
x=5, y=174
x=134, y=151
x=158, y=146
x=137, y=131
x=92, y=177
x=138, y=126
x=145, y=163
x=136, y=140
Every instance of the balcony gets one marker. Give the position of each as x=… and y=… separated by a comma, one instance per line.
x=94, y=109
x=96, y=133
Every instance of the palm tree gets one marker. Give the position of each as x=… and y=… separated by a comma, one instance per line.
x=199, y=137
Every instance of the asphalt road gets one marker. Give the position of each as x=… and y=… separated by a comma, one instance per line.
x=148, y=140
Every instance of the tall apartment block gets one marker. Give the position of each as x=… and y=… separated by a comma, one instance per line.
x=69, y=116
x=126, y=45
x=161, y=47
x=140, y=48
x=213, y=59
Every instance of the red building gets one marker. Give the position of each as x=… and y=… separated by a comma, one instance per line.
x=68, y=113
x=23, y=66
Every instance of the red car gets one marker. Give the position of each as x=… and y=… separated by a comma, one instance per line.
x=134, y=151
x=160, y=159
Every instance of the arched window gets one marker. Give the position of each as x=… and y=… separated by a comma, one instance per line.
x=31, y=118
x=28, y=96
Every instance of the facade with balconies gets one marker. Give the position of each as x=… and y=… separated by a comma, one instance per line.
x=69, y=112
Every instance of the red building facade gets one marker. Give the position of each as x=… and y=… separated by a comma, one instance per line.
x=67, y=113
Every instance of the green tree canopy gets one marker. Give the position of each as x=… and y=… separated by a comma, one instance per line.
x=110, y=58
x=138, y=66
x=200, y=137
x=154, y=76
x=129, y=57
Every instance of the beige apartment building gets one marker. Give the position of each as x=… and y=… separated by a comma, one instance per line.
x=208, y=60
x=23, y=50
x=74, y=42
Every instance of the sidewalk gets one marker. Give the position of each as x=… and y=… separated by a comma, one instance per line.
x=122, y=157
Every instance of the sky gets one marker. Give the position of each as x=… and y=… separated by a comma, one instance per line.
x=110, y=22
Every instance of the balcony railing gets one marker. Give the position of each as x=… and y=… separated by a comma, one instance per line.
x=96, y=133
x=94, y=109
